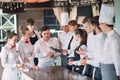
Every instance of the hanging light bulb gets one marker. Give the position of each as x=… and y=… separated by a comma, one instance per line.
x=20, y=4
x=7, y=5
x=17, y=5
x=11, y=6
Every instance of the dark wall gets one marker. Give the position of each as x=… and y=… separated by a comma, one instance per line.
x=37, y=15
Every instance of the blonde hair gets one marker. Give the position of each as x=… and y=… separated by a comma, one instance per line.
x=22, y=30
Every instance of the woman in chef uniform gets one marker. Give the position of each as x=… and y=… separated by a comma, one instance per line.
x=9, y=59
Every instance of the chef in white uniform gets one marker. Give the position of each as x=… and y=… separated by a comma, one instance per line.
x=64, y=36
x=110, y=57
x=43, y=51
x=25, y=48
x=99, y=38
x=10, y=60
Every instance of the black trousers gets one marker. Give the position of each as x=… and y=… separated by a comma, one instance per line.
x=78, y=69
x=65, y=62
x=89, y=72
x=36, y=61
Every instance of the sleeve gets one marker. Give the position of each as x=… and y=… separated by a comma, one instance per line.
x=5, y=59
x=76, y=63
x=20, y=50
x=93, y=62
x=100, y=42
x=38, y=34
x=115, y=50
x=60, y=39
x=90, y=54
x=84, y=47
x=37, y=51
x=90, y=47
x=71, y=55
x=57, y=46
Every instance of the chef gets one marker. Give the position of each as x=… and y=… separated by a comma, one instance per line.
x=110, y=65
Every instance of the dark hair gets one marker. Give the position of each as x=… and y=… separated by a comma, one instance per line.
x=30, y=21
x=87, y=19
x=44, y=28
x=83, y=35
x=110, y=25
x=10, y=34
x=73, y=23
x=23, y=30
x=95, y=22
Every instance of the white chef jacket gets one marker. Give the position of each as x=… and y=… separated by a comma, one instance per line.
x=98, y=45
x=64, y=39
x=73, y=45
x=111, y=50
x=40, y=49
x=26, y=51
x=90, y=45
x=9, y=60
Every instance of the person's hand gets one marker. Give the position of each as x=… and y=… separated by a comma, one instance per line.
x=80, y=51
x=83, y=62
x=26, y=60
x=51, y=54
x=70, y=61
x=20, y=65
x=47, y=54
x=65, y=52
x=36, y=68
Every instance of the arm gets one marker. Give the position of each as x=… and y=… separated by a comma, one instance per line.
x=56, y=54
x=115, y=51
x=37, y=51
x=20, y=51
x=5, y=59
x=97, y=52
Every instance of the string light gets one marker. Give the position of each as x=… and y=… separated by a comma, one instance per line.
x=12, y=7
x=32, y=1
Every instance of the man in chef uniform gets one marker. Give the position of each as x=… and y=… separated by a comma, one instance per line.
x=109, y=61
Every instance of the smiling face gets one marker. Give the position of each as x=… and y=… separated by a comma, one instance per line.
x=87, y=27
x=46, y=35
x=72, y=28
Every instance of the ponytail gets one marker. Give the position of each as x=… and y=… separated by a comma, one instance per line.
x=22, y=30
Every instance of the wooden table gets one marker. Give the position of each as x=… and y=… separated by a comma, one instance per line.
x=55, y=73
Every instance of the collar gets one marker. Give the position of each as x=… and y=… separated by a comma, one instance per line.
x=48, y=40
x=26, y=41
x=110, y=33
x=11, y=46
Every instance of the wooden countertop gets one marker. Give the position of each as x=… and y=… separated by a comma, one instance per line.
x=55, y=73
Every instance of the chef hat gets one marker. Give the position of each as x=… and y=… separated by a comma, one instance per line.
x=64, y=18
x=106, y=14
